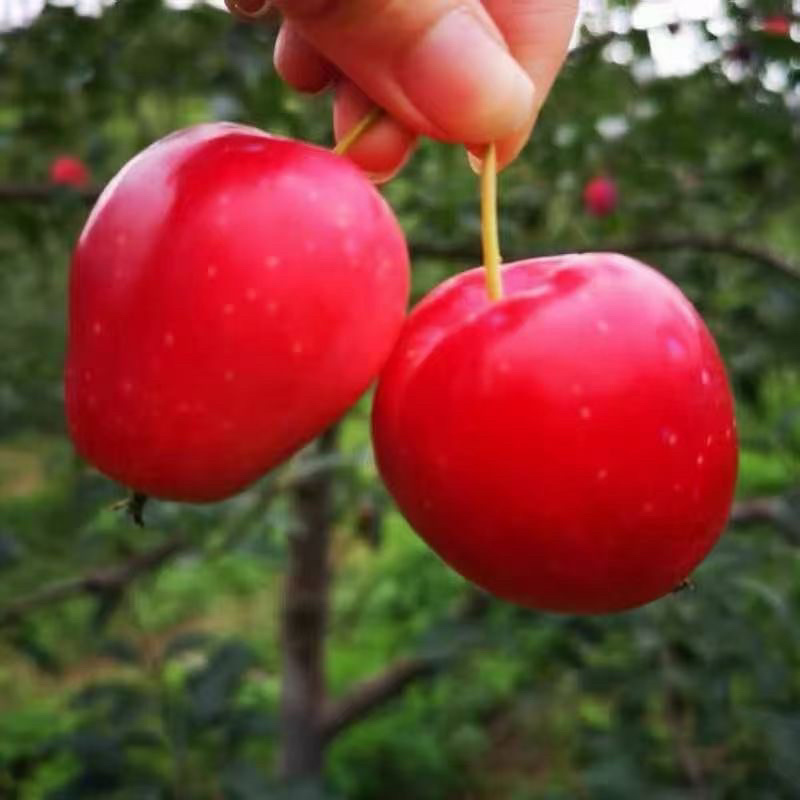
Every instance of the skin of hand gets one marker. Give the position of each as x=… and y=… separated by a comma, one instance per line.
x=467, y=71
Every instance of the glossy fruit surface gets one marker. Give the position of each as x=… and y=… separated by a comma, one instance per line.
x=69, y=171
x=600, y=196
x=231, y=295
x=570, y=447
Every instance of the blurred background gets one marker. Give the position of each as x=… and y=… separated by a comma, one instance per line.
x=149, y=664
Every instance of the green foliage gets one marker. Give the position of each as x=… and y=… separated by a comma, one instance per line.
x=171, y=689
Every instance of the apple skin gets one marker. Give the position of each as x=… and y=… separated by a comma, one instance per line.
x=600, y=196
x=571, y=447
x=69, y=171
x=231, y=295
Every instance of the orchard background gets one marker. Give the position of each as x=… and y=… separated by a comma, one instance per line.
x=212, y=655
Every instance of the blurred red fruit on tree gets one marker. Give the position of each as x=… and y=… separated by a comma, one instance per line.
x=777, y=25
x=69, y=171
x=600, y=196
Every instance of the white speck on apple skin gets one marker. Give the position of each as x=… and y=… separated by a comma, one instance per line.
x=705, y=378
x=586, y=413
x=675, y=349
x=228, y=309
x=700, y=461
x=97, y=328
x=271, y=262
x=670, y=437
x=211, y=271
x=342, y=218
x=602, y=474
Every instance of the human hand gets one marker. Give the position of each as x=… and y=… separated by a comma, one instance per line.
x=469, y=71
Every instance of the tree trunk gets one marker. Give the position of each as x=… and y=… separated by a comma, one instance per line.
x=304, y=620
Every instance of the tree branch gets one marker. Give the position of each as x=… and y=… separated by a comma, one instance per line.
x=680, y=724
x=592, y=43
x=98, y=582
x=374, y=692
x=44, y=192
x=756, y=509
x=713, y=244
x=772, y=510
x=304, y=617
x=695, y=242
x=116, y=578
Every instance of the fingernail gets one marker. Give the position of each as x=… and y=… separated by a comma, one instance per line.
x=475, y=163
x=252, y=8
x=465, y=81
x=381, y=177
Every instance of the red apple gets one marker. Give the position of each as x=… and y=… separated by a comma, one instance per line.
x=570, y=447
x=777, y=25
x=231, y=295
x=69, y=171
x=600, y=196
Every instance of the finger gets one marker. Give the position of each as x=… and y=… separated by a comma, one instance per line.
x=440, y=67
x=384, y=148
x=507, y=149
x=249, y=10
x=298, y=63
x=538, y=33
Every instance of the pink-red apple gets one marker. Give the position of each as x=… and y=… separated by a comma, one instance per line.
x=571, y=447
x=231, y=295
x=777, y=25
x=69, y=171
x=600, y=196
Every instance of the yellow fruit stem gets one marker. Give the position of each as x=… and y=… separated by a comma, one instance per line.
x=355, y=133
x=489, y=236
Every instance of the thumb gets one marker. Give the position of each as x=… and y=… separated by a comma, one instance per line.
x=441, y=67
